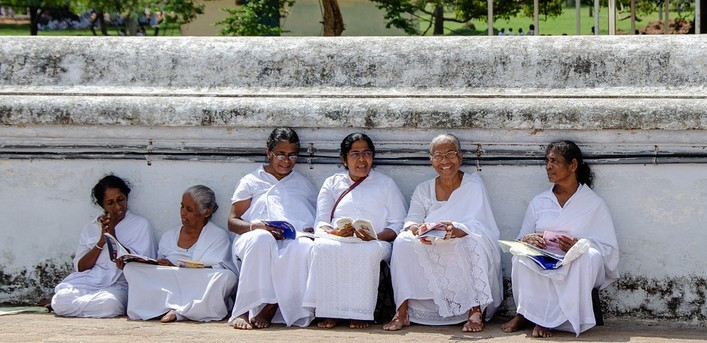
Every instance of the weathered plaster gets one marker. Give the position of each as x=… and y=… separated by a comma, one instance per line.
x=197, y=110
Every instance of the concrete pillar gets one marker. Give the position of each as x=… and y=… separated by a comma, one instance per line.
x=596, y=17
x=698, y=17
x=490, y=16
x=612, y=17
x=536, y=14
x=667, y=17
x=578, y=27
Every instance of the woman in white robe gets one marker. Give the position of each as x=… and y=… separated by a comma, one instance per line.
x=179, y=293
x=273, y=271
x=561, y=299
x=97, y=288
x=344, y=275
x=453, y=279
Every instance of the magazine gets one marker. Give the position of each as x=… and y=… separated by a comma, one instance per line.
x=117, y=251
x=189, y=264
x=551, y=241
x=544, y=258
x=436, y=230
x=360, y=226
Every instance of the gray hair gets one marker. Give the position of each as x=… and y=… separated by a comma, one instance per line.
x=446, y=137
x=204, y=197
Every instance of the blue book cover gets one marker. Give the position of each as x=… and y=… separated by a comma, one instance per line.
x=288, y=231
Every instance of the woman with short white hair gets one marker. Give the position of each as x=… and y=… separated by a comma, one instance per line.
x=455, y=276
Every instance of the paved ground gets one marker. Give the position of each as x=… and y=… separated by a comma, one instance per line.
x=50, y=328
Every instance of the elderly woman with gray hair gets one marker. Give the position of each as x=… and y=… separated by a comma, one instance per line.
x=445, y=264
x=194, y=279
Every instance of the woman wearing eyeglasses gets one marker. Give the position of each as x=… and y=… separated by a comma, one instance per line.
x=455, y=276
x=274, y=270
x=344, y=273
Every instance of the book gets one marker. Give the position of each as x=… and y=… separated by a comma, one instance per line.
x=544, y=258
x=551, y=241
x=436, y=230
x=360, y=226
x=117, y=251
x=288, y=231
x=182, y=263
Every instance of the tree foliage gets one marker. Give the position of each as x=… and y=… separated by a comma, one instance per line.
x=256, y=18
x=406, y=14
x=172, y=11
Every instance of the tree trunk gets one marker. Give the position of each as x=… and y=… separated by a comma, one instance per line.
x=33, y=19
x=333, y=21
x=439, y=21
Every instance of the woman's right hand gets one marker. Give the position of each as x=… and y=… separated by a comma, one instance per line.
x=346, y=231
x=164, y=262
x=413, y=228
x=535, y=239
x=105, y=223
x=277, y=233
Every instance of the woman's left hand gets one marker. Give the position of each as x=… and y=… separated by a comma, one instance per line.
x=565, y=242
x=448, y=228
x=119, y=263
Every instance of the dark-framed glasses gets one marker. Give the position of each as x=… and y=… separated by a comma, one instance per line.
x=438, y=157
x=282, y=157
x=358, y=154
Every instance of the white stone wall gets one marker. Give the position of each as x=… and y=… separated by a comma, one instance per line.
x=198, y=110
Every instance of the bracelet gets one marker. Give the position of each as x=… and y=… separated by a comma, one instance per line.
x=97, y=247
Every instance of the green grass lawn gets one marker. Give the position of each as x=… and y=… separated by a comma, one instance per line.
x=564, y=23
x=23, y=30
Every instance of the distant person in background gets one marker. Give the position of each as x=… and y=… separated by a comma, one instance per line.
x=531, y=30
x=520, y=31
x=98, y=288
x=502, y=32
x=510, y=31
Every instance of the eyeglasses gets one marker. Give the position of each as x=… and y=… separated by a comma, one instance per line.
x=281, y=157
x=438, y=157
x=358, y=154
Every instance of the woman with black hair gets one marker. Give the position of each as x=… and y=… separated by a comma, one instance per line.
x=343, y=277
x=97, y=288
x=570, y=219
x=274, y=270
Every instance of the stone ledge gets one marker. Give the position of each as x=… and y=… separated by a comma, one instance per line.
x=332, y=112
x=446, y=62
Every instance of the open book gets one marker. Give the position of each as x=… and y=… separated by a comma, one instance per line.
x=288, y=231
x=360, y=226
x=430, y=230
x=544, y=258
x=117, y=251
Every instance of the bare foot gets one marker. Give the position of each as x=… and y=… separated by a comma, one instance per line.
x=327, y=323
x=396, y=323
x=475, y=323
x=515, y=324
x=242, y=322
x=170, y=316
x=540, y=331
x=262, y=320
x=358, y=324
